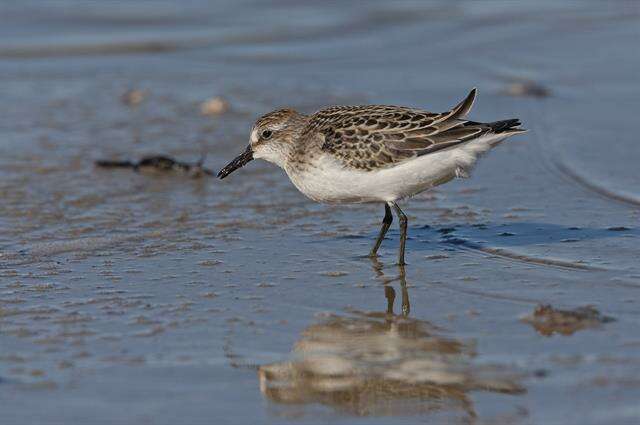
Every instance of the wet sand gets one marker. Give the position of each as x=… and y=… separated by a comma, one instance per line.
x=160, y=298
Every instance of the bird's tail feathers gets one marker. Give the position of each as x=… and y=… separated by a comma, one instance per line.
x=506, y=126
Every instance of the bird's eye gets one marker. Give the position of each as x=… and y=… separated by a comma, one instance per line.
x=266, y=134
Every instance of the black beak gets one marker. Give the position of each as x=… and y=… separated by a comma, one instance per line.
x=239, y=161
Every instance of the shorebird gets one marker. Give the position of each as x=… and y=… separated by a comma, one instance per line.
x=373, y=153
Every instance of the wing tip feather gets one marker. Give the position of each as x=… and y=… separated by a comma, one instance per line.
x=461, y=109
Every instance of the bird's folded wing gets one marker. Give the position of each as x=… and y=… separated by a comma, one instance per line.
x=374, y=136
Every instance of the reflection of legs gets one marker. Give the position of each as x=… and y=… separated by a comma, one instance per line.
x=389, y=292
x=386, y=222
x=403, y=232
x=377, y=266
x=406, y=307
x=390, y=295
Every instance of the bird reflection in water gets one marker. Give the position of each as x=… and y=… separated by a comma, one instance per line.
x=382, y=364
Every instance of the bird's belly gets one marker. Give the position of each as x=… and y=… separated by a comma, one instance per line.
x=328, y=181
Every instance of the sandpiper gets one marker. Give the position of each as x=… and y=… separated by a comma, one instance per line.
x=372, y=153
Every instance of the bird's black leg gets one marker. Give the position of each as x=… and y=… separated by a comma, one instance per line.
x=403, y=232
x=386, y=222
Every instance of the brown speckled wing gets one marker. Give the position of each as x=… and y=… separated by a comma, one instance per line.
x=377, y=136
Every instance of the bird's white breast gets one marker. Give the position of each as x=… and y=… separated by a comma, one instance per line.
x=326, y=179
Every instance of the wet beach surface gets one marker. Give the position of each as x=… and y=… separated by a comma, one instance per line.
x=159, y=298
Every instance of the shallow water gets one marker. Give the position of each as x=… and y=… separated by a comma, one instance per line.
x=163, y=299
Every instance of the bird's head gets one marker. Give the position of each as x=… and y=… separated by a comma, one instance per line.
x=271, y=139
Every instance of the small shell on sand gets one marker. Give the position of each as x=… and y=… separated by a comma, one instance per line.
x=526, y=88
x=133, y=97
x=214, y=106
x=548, y=320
